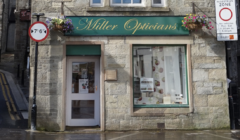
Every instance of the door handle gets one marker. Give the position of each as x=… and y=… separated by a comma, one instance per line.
x=96, y=88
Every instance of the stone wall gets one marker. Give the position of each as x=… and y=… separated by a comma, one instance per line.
x=21, y=37
x=3, y=27
x=210, y=100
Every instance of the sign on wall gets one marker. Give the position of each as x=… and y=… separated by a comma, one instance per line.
x=226, y=20
x=129, y=26
x=146, y=84
x=38, y=31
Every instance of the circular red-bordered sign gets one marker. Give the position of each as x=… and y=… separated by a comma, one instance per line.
x=38, y=31
x=222, y=17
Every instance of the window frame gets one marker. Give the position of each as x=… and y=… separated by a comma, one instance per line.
x=161, y=105
x=158, y=5
x=96, y=5
x=128, y=5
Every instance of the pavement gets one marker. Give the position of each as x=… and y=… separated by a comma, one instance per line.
x=17, y=134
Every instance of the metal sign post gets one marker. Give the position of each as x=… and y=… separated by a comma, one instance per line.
x=38, y=32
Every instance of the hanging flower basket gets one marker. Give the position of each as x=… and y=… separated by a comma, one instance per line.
x=193, y=25
x=58, y=27
x=62, y=24
x=194, y=22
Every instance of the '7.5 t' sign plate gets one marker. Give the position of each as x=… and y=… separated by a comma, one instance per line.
x=38, y=31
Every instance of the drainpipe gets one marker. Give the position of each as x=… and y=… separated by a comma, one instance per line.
x=8, y=16
x=3, y=7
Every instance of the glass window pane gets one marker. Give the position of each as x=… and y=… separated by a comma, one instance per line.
x=83, y=77
x=116, y=1
x=96, y=1
x=126, y=1
x=137, y=1
x=157, y=1
x=82, y=109
x=159, y=75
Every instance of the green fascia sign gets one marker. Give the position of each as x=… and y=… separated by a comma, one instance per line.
x=127, y=26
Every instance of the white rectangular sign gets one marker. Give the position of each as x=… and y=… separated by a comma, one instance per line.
x=227, y=37
x=146, y=84
x=226, y=18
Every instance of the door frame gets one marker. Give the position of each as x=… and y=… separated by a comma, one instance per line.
x=64, y=87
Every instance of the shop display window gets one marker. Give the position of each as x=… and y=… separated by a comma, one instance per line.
x=159, y=76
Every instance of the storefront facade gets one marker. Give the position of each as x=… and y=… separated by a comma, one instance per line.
x=125, y=68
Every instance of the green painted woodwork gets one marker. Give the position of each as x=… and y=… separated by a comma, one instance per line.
x=73, y=50
x=128, y=25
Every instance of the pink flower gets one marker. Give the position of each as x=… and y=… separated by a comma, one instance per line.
x=204, y=15
x=184, y=22
x=203, y=25
x=212, y=27
x=189, y=17
x=194, y=17
x=187, y=20
x=210, y=22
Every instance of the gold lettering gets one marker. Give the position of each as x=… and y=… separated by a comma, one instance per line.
x=128, y=27
x=150, y=27
x=105, y=25
x=115, y=26
x=109, y=26
x=97, y=26
x=160, y=27
x=136, y=28
x=142, y=27
x=166, y=27
x=147, y=26
x=155, y=26
x=102, y=25
x=174, y=26
x=86, y=22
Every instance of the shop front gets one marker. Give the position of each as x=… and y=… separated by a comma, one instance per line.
x=158, y=70
x=137, y=73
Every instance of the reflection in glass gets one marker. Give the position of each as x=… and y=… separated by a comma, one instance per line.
x=137, y=1
x=126, y=1
x=82, y=109
x=83, y=77
x=159, y=75
x=116, y=1
x=96, y=1
x=157, y=1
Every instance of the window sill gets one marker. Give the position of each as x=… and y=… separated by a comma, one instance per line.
x=163, y=106
x=159, y=112
x=128, y=9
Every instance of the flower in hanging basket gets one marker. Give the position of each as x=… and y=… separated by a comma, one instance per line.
x=194, y=22
x=62, y=24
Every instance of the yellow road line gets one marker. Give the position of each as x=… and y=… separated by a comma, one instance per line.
x=5, y=97
x=3, y=78
x=11, y=100
x=12, y=103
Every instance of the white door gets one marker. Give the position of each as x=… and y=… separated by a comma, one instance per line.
x=83, y=91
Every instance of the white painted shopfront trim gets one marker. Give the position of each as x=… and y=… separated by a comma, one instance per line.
x=64, y=87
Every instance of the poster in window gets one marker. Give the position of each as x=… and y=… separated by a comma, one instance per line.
x=84, y=73
x=75, y=68
x=83, y=85
x=146, y=84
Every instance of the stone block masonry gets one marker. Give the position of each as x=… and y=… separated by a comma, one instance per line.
x=209, y=95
